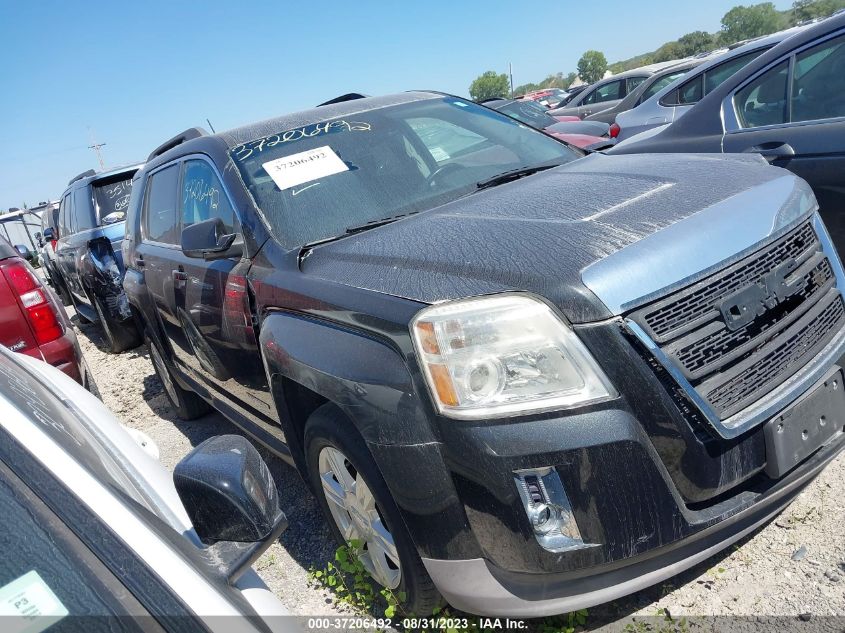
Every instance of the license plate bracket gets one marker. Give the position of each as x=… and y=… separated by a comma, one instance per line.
x=806, y=425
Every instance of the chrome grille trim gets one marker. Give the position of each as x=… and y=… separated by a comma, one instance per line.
x=780, y=396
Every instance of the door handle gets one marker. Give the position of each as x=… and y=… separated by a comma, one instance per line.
x=772, y=151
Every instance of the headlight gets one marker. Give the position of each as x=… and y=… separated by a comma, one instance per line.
x=503, y=355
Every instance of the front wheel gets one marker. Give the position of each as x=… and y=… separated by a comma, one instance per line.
x=359, y=506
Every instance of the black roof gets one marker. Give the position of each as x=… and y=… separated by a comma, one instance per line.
x=246, y=133
x=198, y=140
x=88, y=176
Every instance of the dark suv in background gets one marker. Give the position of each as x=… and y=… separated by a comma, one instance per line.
x=88, y=252
x=526, y=379
x=50, y=220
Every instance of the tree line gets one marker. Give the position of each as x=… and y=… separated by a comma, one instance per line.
x=738, y=24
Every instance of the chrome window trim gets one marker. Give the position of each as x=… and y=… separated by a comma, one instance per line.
x=778, y=398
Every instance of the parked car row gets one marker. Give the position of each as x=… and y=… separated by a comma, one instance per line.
x=786, y=104
x=676, y=99
x=578, y=133
x=528, y=379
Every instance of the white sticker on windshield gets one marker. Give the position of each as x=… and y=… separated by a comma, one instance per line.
x=293, y=170
x=33, y=602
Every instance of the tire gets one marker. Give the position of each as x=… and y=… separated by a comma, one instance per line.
x=120, y=335
x=187, y=404
x=61, y=290
x=82, y=319
x=327, y=430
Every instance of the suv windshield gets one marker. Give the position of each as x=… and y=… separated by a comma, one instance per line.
x=317, y=181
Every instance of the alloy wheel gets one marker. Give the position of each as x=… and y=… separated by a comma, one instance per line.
x=354, y=510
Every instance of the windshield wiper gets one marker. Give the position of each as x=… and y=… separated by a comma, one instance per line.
x=305, y=249
x=513, y=174
x=374, y=223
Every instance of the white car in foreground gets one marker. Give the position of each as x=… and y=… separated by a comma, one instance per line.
x=93, y=528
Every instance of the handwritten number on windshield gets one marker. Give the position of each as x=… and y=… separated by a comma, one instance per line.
x=242, y=152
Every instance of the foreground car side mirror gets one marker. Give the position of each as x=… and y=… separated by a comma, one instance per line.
x=49, y=234
x=208, y=240
x=24, y=252
x=232, y=500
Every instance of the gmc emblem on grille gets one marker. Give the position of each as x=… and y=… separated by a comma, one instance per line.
x=742, y=307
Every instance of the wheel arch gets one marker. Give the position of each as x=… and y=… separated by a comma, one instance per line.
x=310, y=362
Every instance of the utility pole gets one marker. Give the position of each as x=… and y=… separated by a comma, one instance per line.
x=96, y=147
x=510, y=74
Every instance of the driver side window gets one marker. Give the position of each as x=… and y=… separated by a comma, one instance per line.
x=202, y=196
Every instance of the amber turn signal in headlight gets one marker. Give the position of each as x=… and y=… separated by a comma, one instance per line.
x=503, y=355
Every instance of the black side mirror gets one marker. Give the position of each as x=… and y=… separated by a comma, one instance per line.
x=49, y=234
x=24, y=252
x=231, y=498
x=208, y=240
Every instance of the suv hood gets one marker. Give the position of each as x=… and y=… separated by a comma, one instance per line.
x=577, y=233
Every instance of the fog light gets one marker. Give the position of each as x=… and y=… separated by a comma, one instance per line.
x=543, y=518
x=548, y=510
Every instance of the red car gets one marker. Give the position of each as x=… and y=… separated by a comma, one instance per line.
x=582, y=134
x=548, y=97
x=33, y=322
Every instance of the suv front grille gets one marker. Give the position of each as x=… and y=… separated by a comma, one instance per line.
x=731, y=368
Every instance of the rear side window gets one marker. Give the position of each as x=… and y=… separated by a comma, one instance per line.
x=763, y=101
x=64, y=211
x=691, y=92
x=112, y=198
x=704, y=83
x=633, y=82
x=160, y=218
x=83, y=210
x=607, y=92
x=714, y=77
x=203, y=196
x=659, y=85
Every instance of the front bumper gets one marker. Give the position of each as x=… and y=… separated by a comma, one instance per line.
x=481, y=587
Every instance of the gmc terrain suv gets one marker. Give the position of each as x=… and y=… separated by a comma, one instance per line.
x=528, y=380
x=88, y=252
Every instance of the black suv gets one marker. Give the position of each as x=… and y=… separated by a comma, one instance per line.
x=528, y=380
x=89, y=261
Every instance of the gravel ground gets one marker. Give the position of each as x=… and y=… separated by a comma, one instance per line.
x=795, y=566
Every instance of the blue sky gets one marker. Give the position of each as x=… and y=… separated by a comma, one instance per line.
x=132, y=74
